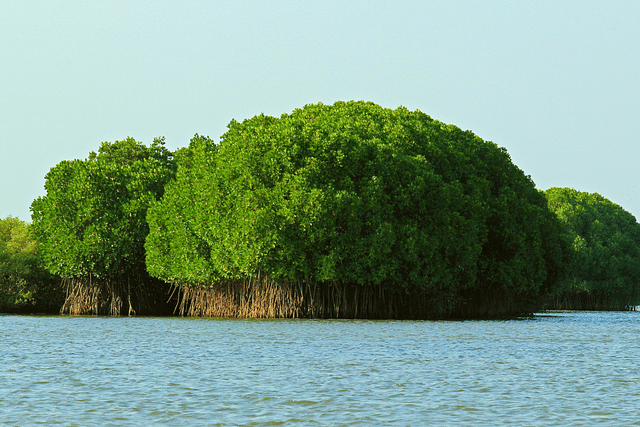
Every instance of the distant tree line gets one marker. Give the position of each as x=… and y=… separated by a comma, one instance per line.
x=344, y=210
x=25, y=284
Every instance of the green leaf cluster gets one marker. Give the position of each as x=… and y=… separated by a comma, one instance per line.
x=92, y=221
x=354, y=193
x=24, y=283
x=606, y=244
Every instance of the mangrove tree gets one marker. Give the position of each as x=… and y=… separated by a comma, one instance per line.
x=92, y=226
x=606, y=244
x=353, y=210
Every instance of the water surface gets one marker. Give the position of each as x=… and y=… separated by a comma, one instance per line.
x=552, y=369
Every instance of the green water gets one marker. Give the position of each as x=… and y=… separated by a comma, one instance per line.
x=551, y=369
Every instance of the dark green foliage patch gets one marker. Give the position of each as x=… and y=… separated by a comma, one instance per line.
x=606, y=245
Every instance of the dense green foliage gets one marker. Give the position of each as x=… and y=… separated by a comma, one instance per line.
x=353, y=193
x=606, y=242
x=92, y=222
x=25, y=286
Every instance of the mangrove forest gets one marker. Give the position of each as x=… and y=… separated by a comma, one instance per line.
x=348, y=210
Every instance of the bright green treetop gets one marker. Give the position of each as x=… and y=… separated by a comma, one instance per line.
x=93, y=219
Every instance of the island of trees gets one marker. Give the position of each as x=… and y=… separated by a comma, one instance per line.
x=348, y=210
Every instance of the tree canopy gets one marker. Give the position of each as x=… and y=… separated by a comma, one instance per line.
x=606, y=243
x=92, y=221
x=355, y=193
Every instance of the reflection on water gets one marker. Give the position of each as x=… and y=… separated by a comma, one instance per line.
x=551, y=369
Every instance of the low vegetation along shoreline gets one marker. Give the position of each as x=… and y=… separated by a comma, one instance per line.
x=348, y=210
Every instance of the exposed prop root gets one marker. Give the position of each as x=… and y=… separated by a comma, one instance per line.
x=259, y=297
x=596, y=301
x=263, y=298
x=90, y=296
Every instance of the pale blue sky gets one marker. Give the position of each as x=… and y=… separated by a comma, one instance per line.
x=555, y=82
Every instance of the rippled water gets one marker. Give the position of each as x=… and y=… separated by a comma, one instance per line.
x=551, y=369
